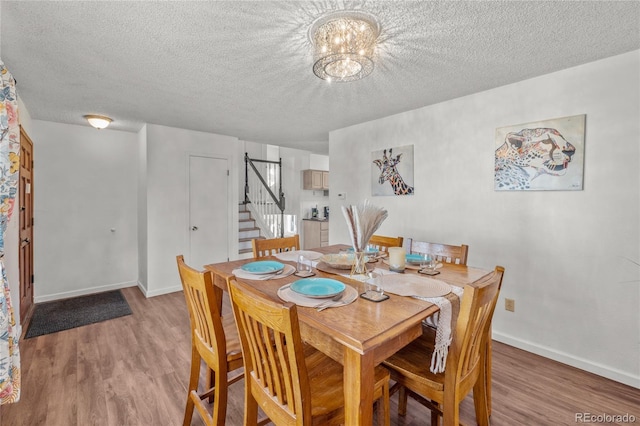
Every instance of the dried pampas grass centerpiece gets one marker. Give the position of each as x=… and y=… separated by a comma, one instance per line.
x=362, y=221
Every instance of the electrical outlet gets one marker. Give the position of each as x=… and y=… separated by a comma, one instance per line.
x=510, y=305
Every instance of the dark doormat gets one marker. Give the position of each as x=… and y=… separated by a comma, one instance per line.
x=51, y=317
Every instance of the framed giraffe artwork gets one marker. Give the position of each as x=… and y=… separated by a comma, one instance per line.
x=541, y=155
x=392, y=171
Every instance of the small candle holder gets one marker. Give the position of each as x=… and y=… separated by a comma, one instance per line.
x=397, y=257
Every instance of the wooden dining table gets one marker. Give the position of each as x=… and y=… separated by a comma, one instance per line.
x=359, y=335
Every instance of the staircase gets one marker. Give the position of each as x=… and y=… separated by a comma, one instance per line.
x=247, y=230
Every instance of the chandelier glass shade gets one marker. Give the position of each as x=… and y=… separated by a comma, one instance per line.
x=344, y=45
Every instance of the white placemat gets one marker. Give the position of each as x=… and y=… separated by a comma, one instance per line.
x=414, y=285
x=292, y=256
x=286, y=271
x=349, y=295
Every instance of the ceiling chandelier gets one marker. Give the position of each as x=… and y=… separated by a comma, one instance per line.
x=344, y=45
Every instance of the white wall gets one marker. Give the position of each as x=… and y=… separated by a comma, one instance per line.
x=318, y=162
x=167, y=196
x=571, y=257
x=142, y=210
x=88, y=182
x=293, y=162
x=85, y=186
x=299, y=201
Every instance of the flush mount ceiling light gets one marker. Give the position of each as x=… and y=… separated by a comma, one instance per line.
x=98, y=121
x=344, y=45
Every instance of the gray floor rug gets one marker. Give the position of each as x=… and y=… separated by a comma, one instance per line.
x=51, y=317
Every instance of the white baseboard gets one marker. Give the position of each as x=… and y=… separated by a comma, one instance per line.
x=583, y=364
x=83, y=292
x=159, y=292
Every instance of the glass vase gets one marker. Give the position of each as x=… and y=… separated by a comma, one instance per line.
x=359, y=269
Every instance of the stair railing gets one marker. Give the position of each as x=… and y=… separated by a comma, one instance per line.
x=259, y=194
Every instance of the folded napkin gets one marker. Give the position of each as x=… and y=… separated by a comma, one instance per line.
x=286, y=271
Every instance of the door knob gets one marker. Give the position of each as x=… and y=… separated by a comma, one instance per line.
x=26, y=240
x=194, y=228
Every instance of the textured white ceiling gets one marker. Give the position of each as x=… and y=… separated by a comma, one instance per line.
x=244, y=68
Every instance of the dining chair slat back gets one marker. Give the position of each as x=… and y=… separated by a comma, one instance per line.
x=465, y=366
x=293, y=383
x=214, y=340
x=269, y=247
x=443, y=252
x=383, y=243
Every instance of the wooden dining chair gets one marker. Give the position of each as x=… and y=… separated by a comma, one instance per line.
x=293, y=383
x=382, y=243
x=465, y=366
x=443, y=252
x=214, y=340
x=269, y=247
x=457, y=255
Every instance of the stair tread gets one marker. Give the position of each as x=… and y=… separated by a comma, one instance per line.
x=245, y=217
x=244, y=240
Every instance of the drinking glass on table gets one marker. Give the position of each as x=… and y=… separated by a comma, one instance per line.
x=373, y=286
x=428, y=263
x=303, y=266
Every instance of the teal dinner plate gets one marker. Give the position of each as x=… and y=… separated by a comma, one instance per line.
x=262, y=267
x=414, y=258
x=318, y=287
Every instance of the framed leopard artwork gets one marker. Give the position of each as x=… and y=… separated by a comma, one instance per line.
x=542, y=155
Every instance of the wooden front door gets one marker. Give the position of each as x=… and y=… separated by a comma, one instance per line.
x=26, y=226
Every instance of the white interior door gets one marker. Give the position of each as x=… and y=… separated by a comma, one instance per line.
x=208, y=210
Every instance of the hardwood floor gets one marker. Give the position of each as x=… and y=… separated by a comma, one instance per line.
x=134, y=370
